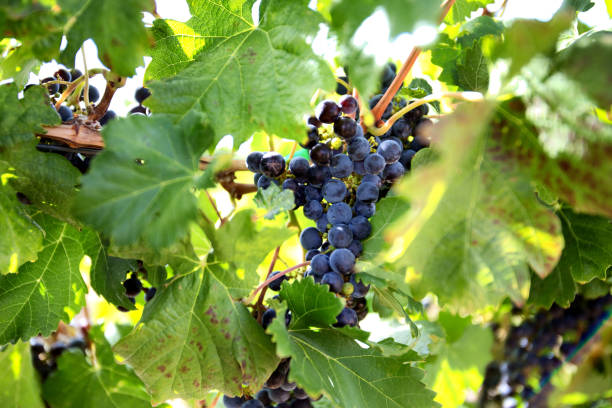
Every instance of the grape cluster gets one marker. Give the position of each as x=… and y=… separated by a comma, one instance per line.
x=46, y=351
x=133, y=286
x=533, y=349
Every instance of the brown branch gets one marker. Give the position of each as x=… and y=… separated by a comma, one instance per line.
x=382, y=104
x=75, y=135
x=112, y=84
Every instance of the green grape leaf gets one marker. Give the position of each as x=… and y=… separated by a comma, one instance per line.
x=46, y=291
x=106, y=272
x=20, y=119
x=193, y=337
x=122, y=40
x=104, y=383
x=48, y=180
x=354, y=375
x=587, y=256
x=477, y=28
x=386, y=298
x=274, y=200
x=224, y=82
x=475, y=225
x=141, y=185
x=462, y=10
x=311, y=304
x=18, y=64
x=20, y=384
x=244, y=244
x=21, y=238
x=473, y=70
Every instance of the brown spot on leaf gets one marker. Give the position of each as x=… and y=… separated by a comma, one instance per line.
x=161, y=368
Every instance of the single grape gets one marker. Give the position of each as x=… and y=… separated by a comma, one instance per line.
x=340, y=88
x=318, y=175
x=75, y=73
x=359, y=288
x=108, y=116
x=341, y=166
x=323, y=223
x=320, y=264
x=313, y=193
x=356, y=247
x=340, y=236
x=63, y=74
x=52, y=88
x=406, y=158
x=345, y=127
x=267, y=317
x=390, y=151
x=272, y=164
x=388, y=110
x=298, y=166
x=65, y=113
x=138, y=110
x=321, y=154
x=264, y=397
x=347, y=317
x=149, y=294
x=290, y=184
x=334, y=191
x=342, y=261
x=339, y=213
x=417, y=113
x=387, y=76
x=334, y=280
x=374, y=163
x=253, y=404
x=312, y=137
x=310, y=238
x=264, y=182
x=422, y=134
x=289, y=386
x=358, y=149
x=141, y=94
x=311, y=254
x=365, y=209
x=253, y=161
x=401, y=129
x=275, y=285
x=359, y=168
x=367, y=192
x=279, y=395
x=132, y=286
x=327, y=111
x=394, y=172
x=93, y=94
x=348, y=104
x=360, y=226
x=313, y=210
x=371, y=178
x=299, y=403
x=300, y=393
x=232, y=402
x=277, y=378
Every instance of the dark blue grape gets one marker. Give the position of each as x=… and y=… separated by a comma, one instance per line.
x=300, y=394
x=141, y=94
x=314, y=122
x=374, y=163
x=275, y=285
x=388, y=75
x=264, y=182
x=272, y=164
x=406, y=158
x=365, y=209
x=52, y=88
x=108, y=116
x=334, y=191
x=256, y=177
x=348, y=104
x=63, y=74
x=359, y=288
x=93, y=94
x=339, y=213
x=311, y=254
x=358, y=149
x=421, y=134
x=65, y=113
x=323, y=223
x=345, y=127
x=371, y=178
x=279, y=395
x=394, y=172
x=299, y=196
x=334, y=280
x=321, y=154
x=262, y=395
x=267, y=317
x=359, y=168
x=367, y=192
x=313, y=193
x=342, y=261
x=340, y=236
x=310, y=238
x=312, y=137
x=313, y=210
x=360, y=226
x=401, y=129
x=320, y=264
x=232, y=402
x=341, y=166
x=340, y=88
x=298, y=166
x=75, y=73
x=327, y=111
x=417, y=113
x=310, y=272
x=298, y=403
x=253, y=161
x=347, y=317
x=290, y=184
x=318, y=175
x=356, y=248
x=149, y=294
x=390, y=151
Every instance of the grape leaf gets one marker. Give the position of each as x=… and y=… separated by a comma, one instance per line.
x=48, y=180
x=43, y=292
x=475, y=224
x=274, y=200
x=20, y=119
x=20, y=385
x=103, y=384
x=311, y=304
x=21, y=238
x=193, y=337
x=473, y=70
x=462, y=9
x=140, y=185
x=353, y=376
x=121, y=39
x=224, y=82
x=107, y=272
x=587, y=256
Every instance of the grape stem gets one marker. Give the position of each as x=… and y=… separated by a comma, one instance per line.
x=382, y=104
x=113, y=82
x=76, y=83
x=86, y=87
x=214, y=205
x=275, y=277
x=258, y=305
x=466, y=96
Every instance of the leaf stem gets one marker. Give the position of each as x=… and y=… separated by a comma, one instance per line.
x=382, y=104
x=259, y=303
x=275, y=277
x=466, y=96
x=212, y=202
x=72, y=86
